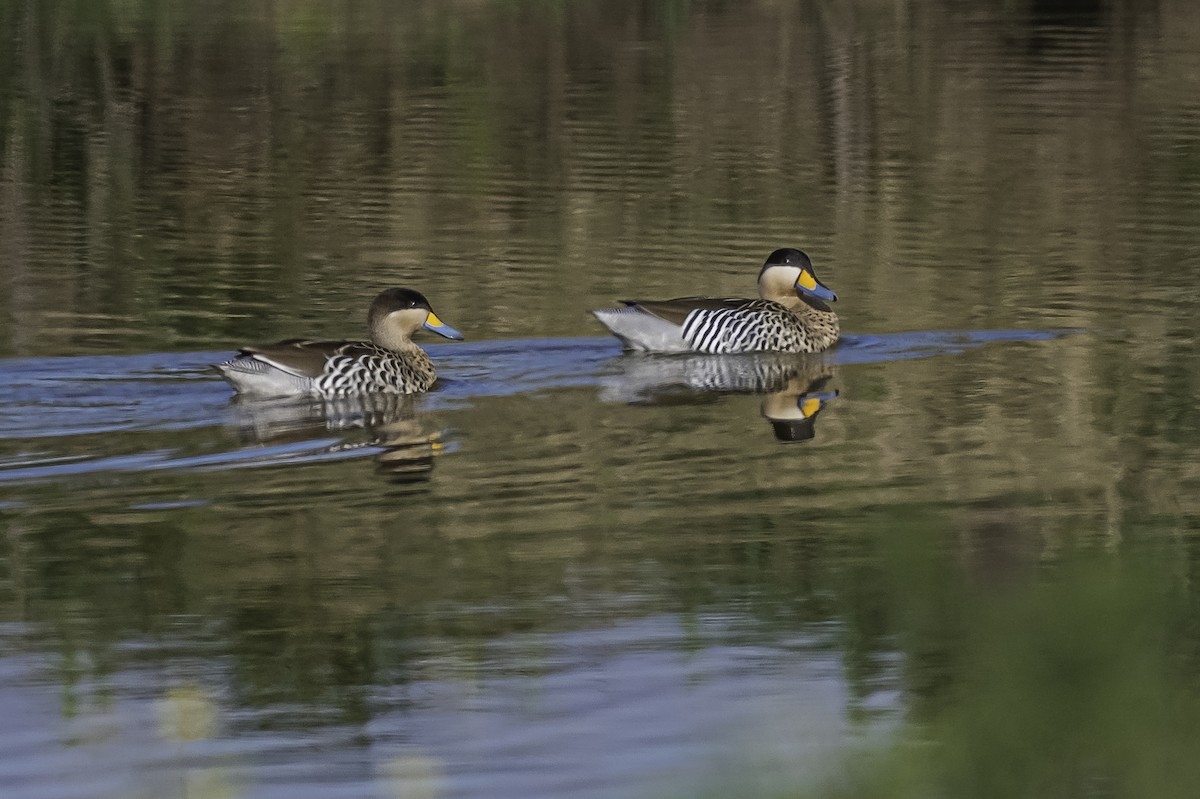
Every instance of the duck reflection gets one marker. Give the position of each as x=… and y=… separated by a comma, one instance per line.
x=390, y=423
x=795, y=385
x=792, y=411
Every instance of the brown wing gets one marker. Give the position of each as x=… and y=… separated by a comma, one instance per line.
x=301, y=357
x=676, y=310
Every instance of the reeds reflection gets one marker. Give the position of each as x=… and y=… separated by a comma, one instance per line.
x=390, y=424
x=795, y=385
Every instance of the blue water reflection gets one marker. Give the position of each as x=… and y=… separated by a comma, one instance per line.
x=86, y=396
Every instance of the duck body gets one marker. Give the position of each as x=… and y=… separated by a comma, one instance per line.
x=390, y=363
x=790, y=316
x=718, y=326
x=328, y=369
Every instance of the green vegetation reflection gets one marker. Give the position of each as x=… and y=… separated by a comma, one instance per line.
x=1081, y=684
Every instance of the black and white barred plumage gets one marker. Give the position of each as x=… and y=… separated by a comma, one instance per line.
x=793, y=386
x=330, y=369
x=716, y=326
x=388, y=364
x=751, y=326
x=747, y=373
x=790, y=315
x=361, y=368
x=638, y=380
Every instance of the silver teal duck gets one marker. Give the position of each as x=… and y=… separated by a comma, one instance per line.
x=389, y=363
x=791, y=315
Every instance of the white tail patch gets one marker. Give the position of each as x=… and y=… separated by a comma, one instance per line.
x=639, y=330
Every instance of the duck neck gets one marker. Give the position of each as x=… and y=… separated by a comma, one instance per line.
x=391, y=336
x=790, y=300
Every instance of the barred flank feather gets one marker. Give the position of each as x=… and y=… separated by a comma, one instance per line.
x=754, y=326
x=390, y=363
x=376, y=370
x=791, y=315
x=349, y=369
x=753, y=373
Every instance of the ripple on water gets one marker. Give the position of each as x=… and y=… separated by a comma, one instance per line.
x=76, y=401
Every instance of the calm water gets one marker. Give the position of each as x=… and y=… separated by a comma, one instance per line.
x=568, y=572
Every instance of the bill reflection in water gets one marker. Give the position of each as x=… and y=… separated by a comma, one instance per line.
x=795, y=385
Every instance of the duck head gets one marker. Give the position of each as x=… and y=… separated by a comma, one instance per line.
x=788, y=272
x=398, y=313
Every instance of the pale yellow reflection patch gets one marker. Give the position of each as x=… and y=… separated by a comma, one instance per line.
x=412, y=777
x=810, y=406
x=187, y=713
x=210, y=783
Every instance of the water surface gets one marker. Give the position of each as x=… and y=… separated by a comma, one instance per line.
x=954, y=555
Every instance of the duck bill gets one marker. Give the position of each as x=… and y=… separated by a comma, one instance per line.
x=810, y=405
x=808, y=284
x=441, y=328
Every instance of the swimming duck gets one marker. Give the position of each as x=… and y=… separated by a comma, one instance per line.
x=791, y=316
x=390, y=363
